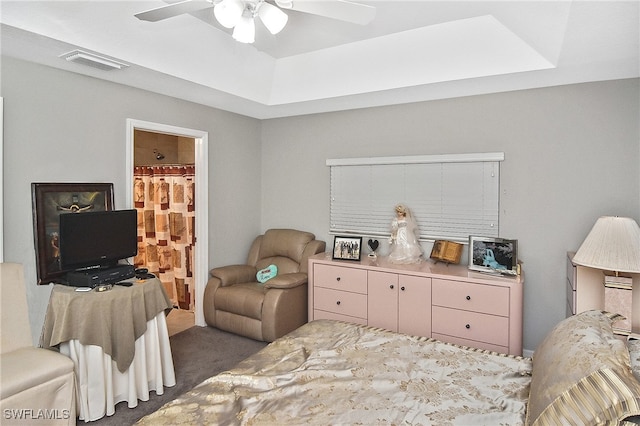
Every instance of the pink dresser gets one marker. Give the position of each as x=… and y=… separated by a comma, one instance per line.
x=446, y=302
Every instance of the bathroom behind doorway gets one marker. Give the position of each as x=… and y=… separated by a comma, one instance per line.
x=164, y=178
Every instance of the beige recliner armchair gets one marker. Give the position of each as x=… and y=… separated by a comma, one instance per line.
x=37, y=386
x=235, y=301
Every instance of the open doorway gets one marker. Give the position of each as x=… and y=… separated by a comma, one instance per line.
x=169, y=148
x=164, y=182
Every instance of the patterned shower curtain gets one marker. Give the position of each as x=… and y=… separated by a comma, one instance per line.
x=164, y=198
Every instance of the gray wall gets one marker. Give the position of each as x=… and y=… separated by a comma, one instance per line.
x=572, y=154
x=64, y=127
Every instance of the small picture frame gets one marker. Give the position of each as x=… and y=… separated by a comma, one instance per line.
x=496, y=255
x=347, y=248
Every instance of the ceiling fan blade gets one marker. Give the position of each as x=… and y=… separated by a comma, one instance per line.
x=174, y=9
x=336, y=9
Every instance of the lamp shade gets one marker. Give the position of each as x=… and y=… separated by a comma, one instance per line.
x=245, y=30
x=272, y=17
x=228, y=12
x=612, y=245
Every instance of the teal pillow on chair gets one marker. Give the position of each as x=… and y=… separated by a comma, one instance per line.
x=267, y=273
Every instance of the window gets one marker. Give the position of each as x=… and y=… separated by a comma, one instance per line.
x=450, y=196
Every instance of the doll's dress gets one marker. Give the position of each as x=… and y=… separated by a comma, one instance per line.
x=405, y=248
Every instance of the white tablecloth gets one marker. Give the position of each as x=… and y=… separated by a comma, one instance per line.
x=100, y=386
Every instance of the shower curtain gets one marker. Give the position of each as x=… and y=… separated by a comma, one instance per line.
x=164, y=199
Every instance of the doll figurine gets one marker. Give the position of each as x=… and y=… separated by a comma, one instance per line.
x=403, y=242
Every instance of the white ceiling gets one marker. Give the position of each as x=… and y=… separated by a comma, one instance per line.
x=412, y=51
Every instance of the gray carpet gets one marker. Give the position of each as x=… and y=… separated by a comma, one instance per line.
x=198, y=353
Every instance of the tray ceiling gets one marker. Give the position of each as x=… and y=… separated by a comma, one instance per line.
x=412, y=51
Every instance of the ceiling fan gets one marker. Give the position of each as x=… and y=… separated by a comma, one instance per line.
x=240, y=14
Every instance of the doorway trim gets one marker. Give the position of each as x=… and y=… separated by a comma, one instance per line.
x=201, y=139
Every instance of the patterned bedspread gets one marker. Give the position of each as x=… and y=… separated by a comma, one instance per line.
x=329, y=372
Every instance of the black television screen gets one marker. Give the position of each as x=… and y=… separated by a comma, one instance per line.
x=97, y=239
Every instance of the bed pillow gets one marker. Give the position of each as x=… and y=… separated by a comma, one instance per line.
x=581, y=374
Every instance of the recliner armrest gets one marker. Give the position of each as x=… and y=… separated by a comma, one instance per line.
x=234, y=274
x=287, y=280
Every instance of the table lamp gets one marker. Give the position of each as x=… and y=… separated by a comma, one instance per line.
x=614, y=245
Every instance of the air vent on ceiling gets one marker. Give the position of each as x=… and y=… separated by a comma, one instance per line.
x=93, y=60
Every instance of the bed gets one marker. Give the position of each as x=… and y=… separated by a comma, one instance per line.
x=331, y=372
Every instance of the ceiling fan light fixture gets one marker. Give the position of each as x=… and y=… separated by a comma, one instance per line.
x=285, y=4
x=228, y=12
x=245, y=30
x=272, y=17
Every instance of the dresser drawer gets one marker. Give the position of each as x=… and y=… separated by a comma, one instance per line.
x=472, y=344
x=340, y=278
x=473, y=297
x=318, y=314
x=571, y=271
x=470, y=326
x=571, y=298
x=341, y=302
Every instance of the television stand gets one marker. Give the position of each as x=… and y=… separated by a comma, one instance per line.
x=98, y=276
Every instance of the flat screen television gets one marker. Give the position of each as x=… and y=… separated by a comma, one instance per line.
x=97, y=239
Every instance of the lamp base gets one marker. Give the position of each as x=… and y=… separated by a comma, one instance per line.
x=618, y=298
x=617, y=280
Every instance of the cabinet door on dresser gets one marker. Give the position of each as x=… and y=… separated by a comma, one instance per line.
x=414, y=305
x=382, y=300
x=399, y=303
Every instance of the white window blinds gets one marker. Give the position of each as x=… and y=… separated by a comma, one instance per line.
x=450, y=196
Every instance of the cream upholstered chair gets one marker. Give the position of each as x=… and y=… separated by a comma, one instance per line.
x=36, y=384
x=235, y=301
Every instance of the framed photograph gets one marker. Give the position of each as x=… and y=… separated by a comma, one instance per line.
x=493, y=255
x=49, y=201
x=347, y=248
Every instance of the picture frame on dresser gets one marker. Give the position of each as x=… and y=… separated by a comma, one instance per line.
x=347, y=248
x=491, y=254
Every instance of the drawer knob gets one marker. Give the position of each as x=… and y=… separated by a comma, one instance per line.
x=467, y=326
x=338, y=302
x=468, y=297
x=402, y=288
x=338, y=279
x=391, y=286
